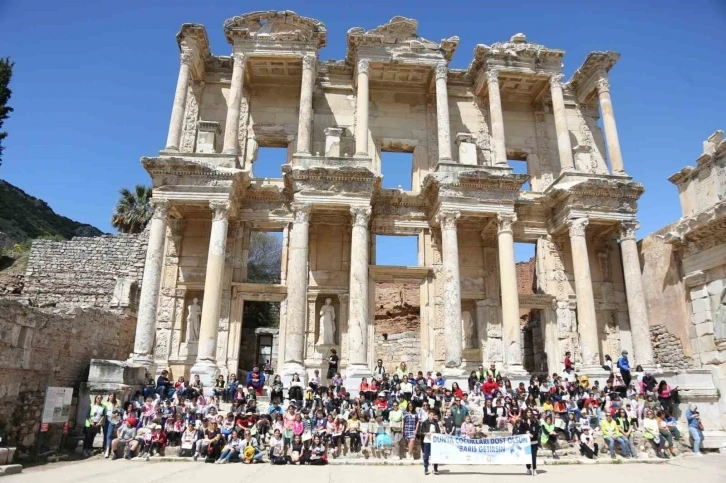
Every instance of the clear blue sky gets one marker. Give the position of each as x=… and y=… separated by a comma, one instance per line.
x=94, y=81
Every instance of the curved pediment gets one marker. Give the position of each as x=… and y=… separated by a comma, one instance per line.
x=278, y=26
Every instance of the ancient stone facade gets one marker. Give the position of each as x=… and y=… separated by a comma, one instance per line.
x=102, y=272
x=685, y=267
x=50, y=347
x=393, y=91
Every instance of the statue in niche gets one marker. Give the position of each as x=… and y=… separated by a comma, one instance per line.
x=194, y=316
x=468, y=329
x=514, y=355
x=327, y=324
x=719, y=329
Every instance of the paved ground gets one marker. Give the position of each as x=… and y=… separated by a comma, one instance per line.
x=709, y=469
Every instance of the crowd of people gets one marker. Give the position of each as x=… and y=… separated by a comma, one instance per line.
x=391, y=415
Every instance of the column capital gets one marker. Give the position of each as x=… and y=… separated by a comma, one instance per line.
x=602, y=85
x=556, y=80
x=301, y=212
x=447, y=219
x=343, y=298
x=505, y=222
x=308, y=61
x=628, y=229
x=186, y=57
x=493, y=76
x=220, y=210
x=361, y=215
x=441, y=70
x=577, y=226
x=160, y=208
x=239, y=59
x=363, y=65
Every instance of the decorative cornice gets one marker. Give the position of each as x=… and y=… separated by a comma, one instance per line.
x=447, y=219
x=160, y=209
x=220, y=210
x=361, y=215
x=301, y=212
x=577, y=226
x=505, y=222
x=628, y=229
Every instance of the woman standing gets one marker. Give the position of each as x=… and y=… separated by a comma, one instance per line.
x=113, y=419
x=528, y=425
x=94, y=422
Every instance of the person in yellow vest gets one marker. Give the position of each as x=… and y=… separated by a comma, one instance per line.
x=611, y=433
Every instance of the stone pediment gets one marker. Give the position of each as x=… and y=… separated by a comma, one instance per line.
x=398, y=39
x=517, y=52
x=192, y=179
x=276, y=26
x=321, y=181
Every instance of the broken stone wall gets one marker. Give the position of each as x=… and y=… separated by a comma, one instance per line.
x=41, y=348
x=397, y=326
x=668, y=350
x=85, y=271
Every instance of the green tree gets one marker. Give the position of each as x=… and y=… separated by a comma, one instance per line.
x=133, y=210
x=6, y=72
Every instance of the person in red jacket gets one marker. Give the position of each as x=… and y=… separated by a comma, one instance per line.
x=158, y=441
x=489, y=387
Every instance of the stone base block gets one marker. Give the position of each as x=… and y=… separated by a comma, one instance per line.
x=104, y=371
x=6, y=455
x=208, y=372
x=10, y=469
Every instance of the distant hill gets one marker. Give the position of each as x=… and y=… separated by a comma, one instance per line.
x=24, y=217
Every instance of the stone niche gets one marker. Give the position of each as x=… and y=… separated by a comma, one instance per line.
x=470, y=332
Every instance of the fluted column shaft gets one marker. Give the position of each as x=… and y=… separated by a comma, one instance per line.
x=442, y=112
x=361, y=106
x=305, y=123
x=452, y=288
x=150, y=284
x=608, y=124
x=586, y=318
x=563, y=133
x=358, y=288
x=637, y=308
x=180, y=101
x=212, y=303
x=497, y=119
x=231, y=127
x=297, y=287
x=510, y=295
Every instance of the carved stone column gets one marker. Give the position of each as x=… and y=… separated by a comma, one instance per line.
x=442, y=112
x=358, y=290
x=305, y=123
x=587, y=320
x=497, y=119
x=452, y=288
x=146, y=321
x=180, y=101
x=511, y=331
x=608, y=123
x=637, y=309
x=231, y=127
x=361, y=103
x=297, y=286
x=563, y=133
x=206, y=365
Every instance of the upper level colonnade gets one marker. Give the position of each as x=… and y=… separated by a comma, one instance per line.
x=504, y=80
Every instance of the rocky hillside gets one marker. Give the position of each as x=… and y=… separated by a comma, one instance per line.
x=24, y=217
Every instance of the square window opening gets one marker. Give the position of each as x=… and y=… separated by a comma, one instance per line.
x=264, y=261
x=397, y=250
x=524, y=256
x=397, y=169
x=269, y=161
x=519, y=166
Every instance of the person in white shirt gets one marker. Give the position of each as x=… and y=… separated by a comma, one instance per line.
x=588, y=446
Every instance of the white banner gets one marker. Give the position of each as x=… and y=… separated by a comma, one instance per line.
x=452, y=450
x=57, y=407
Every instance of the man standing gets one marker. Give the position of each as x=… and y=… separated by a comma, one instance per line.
x=431, y=426
x=624, y=367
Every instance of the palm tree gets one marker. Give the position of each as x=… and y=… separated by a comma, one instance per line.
x=133, y=210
